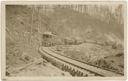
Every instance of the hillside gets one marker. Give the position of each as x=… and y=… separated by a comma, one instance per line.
x=25, y=26
x=22, y=46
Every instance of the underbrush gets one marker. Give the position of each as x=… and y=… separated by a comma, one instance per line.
x=105, y=58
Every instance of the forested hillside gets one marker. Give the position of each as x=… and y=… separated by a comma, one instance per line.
x=26, y=24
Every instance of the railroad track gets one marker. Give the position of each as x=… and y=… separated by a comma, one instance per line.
x=74, y=67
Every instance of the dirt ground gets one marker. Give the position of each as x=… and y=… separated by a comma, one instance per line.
x=39, y=67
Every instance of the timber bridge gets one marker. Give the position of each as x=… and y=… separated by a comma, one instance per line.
x=74, y=67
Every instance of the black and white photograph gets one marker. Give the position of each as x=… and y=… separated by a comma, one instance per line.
x=65, y=40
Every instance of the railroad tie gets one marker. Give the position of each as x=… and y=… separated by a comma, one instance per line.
x=91, y=74
x=86, y=75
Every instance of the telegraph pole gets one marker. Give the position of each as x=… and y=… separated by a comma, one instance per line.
x=31, y=26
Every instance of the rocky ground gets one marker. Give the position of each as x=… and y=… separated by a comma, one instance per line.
x=39, y=67
x=102, y=56
x=23, y=59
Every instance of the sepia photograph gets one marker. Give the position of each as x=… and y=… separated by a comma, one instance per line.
x=65, y=40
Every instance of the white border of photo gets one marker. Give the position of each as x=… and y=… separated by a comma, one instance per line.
x=29, y=2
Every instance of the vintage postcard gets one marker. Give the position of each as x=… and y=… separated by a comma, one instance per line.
x=63, y=40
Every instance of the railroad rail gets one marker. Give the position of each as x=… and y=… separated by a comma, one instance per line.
x=74, y=67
